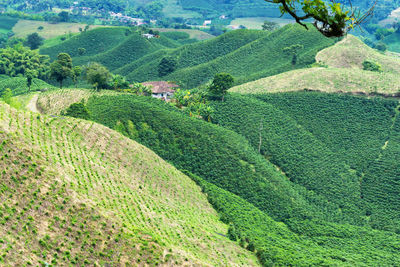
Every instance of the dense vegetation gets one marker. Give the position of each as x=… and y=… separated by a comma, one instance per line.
x=247, y=191
x=321, y=141
x=77, y=193
x=247, y=55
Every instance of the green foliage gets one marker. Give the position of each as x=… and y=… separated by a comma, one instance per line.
x=270, y=26
x=78, y=110
x=167, y=65
x=7, y=95
x=381, y=46
x=19, y=85
x=34, y=40
x=371, y=66
x=220, y=84
x=98, y=75
x=292, y=51
x=20, y=60
x=61, y=69
x=203, y=148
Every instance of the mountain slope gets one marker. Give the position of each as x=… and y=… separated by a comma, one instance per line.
x=101, y=198
x=328, y=80
x=266, y=208
x=257, y=58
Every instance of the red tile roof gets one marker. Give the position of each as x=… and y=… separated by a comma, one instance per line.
x=161, y=87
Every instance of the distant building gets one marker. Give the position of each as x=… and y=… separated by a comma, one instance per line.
x=161, y=89
x=148, y=35
x=207, y=22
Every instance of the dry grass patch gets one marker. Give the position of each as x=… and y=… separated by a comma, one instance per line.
x=325, y=80
x=26, y=27
x=351, y=52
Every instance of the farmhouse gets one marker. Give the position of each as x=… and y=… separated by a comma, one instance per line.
x=161, y=89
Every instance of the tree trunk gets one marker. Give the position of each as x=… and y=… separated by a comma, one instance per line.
x=61, y=84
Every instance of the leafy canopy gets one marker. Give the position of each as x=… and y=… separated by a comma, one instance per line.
x=19, y=61
x=98, y=75
x=329, y=18
x=61, y=69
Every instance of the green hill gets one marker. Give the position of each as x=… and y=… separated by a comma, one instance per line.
x=6, y=24
x=305, y=208
x=94, y=42
x=324, y=142
x=76, y=193
x=254, y=59
x=351, y=52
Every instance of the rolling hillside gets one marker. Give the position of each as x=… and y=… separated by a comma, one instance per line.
x=78, y=193
x=305, y=208
x=249, y=61
x=246, y=54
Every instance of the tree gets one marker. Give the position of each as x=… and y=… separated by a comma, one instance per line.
x=81, y=51
x=29, y=79
x=61, y=68
x=119, y=82
x=34, y=40
x=76, y=73
x=329, y=18
x=292, y=51
x=167, y=65
x=270, y=26
x=220, y=85
x=371, y=66
x=98, y=75
x=78, y=110
x=19, y=60
x=381, y=46
x=63, y=16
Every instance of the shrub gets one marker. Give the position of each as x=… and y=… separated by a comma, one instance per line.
x=371, y=66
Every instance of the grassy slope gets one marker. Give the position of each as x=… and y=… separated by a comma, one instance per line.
x=26, y=27
x=351, y=52
x=326, y=80
x=78, y=191
x=299, y=242
x=250, y=61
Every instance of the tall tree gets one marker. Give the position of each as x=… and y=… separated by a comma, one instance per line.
x=34, y=40
x=329, y=18
x=220, y=85
x=98, y=75
x=61, y=68
x=292, y=51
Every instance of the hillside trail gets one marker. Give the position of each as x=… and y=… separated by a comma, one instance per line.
x=32, y=105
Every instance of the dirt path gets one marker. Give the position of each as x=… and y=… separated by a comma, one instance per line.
x=32, y=104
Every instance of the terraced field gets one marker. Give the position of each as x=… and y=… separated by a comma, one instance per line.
x=79, y=193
